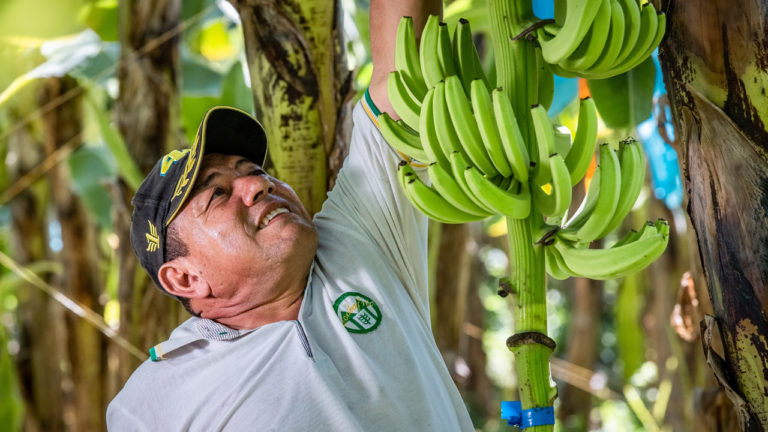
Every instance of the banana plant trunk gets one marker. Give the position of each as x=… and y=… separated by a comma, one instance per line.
x=86, y=346
x=516, y=71
x=39, y=318
x=147, y=113
x=715, y=63
x=300, y=82
x=450, y=304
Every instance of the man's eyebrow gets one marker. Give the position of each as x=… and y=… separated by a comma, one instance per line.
x=205, y=181
x=245, y=161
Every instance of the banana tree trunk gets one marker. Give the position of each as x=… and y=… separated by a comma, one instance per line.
x=480, y=393
x=715, y=58
x=300, y=82
x=147, y=113
x=450, y=294
x=38, y=359
x=581, y=347
x=85, y=344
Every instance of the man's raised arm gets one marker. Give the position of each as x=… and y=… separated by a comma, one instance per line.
x=384, y=18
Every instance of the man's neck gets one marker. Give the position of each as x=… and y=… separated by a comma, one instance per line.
x=284, y=305
x=287, y=309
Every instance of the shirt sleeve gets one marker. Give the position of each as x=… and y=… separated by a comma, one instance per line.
x=121, y=420
x=368, y=203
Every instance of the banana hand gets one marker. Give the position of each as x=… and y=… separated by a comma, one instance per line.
x=401, y=138
x=429, y=201
x=617, y=261
x=407, y=57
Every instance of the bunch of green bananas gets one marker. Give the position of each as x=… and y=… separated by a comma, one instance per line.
x=480, y=165
x=613, y=191
x=600, y=38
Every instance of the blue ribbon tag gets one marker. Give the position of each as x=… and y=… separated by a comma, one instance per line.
x=515, y=415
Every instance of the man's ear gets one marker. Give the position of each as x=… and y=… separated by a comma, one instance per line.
x=179, y=277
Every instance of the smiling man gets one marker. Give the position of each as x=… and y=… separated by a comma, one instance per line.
x=241, y=228
x=299, y=324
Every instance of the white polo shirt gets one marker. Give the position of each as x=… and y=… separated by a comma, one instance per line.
x=360, y=357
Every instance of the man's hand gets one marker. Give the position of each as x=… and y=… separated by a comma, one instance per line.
x=384, y=17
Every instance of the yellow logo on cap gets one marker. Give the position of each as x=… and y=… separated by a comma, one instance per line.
x=170, y=158
x=153, y=240
x=184, y=179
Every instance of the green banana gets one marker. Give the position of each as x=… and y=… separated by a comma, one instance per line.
x=556, y=203
x=428, y=48
x=511, y=138
x=616, y=261
x=482, y=106
x=445, y=184
x=649, y=24
x=661, y=27
x=584, y=211
x=446, y=134
x=562, y=140
x=429, y=201
x=504, y=183
x=629, y=237
x=631, y=11
x=403, y=101
x=465, y=126
x=444, y=51
x=615, y=42
x=545, y=143
x=458, y=165
x=594, y=42
x=578, y=19
x=407, y=57
x=465, y=53
x=546, y=81
x=559, y=71
x=608, y=198
x=580, y=154
x=428, y=132
x=632, y=162
x=513, y=205
x=555, y=266
x=400, y=138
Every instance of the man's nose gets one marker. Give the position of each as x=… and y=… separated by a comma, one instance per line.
x=253, y=188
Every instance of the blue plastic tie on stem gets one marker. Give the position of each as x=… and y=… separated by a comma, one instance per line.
x=512, y=412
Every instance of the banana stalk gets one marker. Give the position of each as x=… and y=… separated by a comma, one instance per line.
x=517, y=77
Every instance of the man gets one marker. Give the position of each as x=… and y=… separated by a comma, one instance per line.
x=300, y=324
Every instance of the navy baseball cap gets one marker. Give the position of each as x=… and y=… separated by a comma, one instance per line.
x=166, y=188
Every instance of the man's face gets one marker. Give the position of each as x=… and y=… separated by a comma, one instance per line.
x=247, y=234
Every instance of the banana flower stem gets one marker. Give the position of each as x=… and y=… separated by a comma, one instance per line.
x=516, y=72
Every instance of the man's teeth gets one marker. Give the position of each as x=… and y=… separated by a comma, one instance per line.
x=272, y=214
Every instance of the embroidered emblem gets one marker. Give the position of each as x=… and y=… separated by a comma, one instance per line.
x=358, y=313
x=170, y=159
x=153, y=241
x=184, y=179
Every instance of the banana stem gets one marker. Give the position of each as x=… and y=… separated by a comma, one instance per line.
x=530, y=344
x=518, y=77
x=515, y=59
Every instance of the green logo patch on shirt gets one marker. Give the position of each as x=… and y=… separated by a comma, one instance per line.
x=358, y=313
